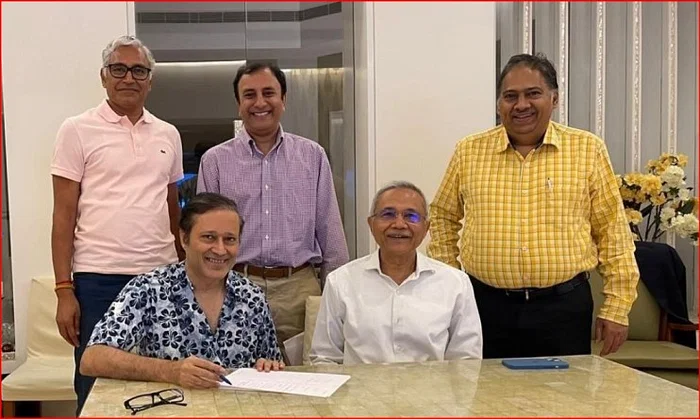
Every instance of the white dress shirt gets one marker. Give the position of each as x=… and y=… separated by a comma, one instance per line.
x=365, y=317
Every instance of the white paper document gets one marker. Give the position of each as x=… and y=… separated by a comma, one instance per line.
x=301, y=383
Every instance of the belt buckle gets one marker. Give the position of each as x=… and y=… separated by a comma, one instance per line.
x=525, y=291
x=266, y=269
x=288, y=270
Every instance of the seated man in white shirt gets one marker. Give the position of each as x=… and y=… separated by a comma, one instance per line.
x=397, y=305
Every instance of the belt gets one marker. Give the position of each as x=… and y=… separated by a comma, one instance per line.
x=526, y=294
x=269, y=272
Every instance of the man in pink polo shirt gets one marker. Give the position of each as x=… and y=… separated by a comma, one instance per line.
x=116, y=211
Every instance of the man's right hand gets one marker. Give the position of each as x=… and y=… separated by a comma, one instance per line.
x=68, y=316
x=193, y=372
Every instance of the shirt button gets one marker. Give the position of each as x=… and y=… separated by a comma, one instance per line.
x=267, y=237
x=267, y=212
x=399, y=348
x=524, y=248
x=267, y=187
x=526, y=277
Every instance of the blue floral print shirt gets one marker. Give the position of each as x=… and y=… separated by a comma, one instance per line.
x=157, y=314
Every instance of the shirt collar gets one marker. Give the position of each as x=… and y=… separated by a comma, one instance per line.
x=421, y=264
x=232, y=279
x=551, y=137
x=108, y=114
x=254, y=148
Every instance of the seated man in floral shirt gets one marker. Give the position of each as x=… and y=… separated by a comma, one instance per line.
x=187, y=322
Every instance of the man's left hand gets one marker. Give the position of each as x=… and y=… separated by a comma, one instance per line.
x=612, y=334
x=268, y=365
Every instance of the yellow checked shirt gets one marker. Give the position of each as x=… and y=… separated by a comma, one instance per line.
x=536, y=221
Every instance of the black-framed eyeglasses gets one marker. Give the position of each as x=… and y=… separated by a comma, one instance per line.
x=138, y=72
x=390, y=214
x=142, y=402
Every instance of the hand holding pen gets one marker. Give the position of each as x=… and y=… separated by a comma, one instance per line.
x=194, y=372
x=262, y=365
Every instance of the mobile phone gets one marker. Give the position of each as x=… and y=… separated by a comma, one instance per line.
x=535, y=363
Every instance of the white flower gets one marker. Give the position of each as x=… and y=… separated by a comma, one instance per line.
x=685, y=225
x=684, y=194
x=667, y=213
x=672, y=177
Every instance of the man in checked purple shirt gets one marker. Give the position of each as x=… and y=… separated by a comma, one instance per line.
x=283, y=186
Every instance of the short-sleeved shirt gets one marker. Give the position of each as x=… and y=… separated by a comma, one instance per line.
x=122, y=224
x=157, y=314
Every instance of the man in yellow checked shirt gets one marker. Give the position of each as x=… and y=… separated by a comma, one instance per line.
x=541, y=207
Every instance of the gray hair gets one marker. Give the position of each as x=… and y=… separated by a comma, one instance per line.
x=127, y=41
x=399, y=184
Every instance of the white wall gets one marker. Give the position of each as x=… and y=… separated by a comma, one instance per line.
x=425, y=77
x=51, y=56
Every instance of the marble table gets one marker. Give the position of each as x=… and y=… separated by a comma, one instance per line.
x=592, y=386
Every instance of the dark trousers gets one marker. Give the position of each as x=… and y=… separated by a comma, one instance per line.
x=516, y=326
x=95, y=293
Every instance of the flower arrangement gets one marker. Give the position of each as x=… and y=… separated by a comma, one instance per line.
x=662, y=198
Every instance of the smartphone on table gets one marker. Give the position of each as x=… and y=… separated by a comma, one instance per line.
x=535, y=363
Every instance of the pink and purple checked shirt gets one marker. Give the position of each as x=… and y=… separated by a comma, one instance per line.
x=286, y=199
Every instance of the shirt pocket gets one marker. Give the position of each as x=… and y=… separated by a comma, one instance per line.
x=300, y=203
x=561, y=198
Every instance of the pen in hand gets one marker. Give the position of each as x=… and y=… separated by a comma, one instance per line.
x=225, y=380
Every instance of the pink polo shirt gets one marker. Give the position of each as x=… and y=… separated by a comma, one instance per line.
x=124, y=170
